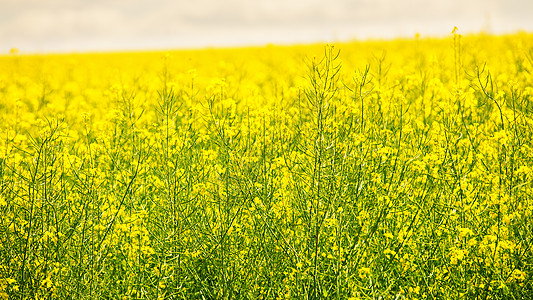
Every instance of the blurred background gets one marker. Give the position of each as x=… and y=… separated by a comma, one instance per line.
x=35, y=26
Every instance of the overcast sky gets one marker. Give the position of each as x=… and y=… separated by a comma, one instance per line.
x=100, y=25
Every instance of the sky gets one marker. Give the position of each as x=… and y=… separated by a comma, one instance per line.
x=51, y=26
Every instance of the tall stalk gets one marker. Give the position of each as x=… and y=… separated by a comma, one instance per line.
x=323, y=78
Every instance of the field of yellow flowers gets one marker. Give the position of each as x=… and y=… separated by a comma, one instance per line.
x=366, y=170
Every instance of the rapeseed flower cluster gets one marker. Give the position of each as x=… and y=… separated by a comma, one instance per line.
x=365, y=170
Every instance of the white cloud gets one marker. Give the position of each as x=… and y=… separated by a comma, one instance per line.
x=63, y=25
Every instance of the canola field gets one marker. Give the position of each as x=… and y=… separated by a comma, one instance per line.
x=365, y=170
